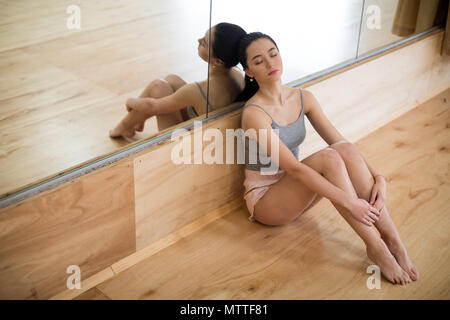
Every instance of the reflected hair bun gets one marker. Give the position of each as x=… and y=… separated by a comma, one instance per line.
x=227, y=37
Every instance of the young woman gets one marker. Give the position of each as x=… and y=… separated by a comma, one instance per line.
x=172, y=101
x=338, y=172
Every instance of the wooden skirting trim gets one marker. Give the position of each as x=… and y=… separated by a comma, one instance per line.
x=87, y=284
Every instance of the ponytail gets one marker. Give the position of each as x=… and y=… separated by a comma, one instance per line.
x=226, y=41
x=251, y=87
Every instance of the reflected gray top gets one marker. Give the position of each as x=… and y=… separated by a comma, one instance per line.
x=191, y=111
x=292, y=136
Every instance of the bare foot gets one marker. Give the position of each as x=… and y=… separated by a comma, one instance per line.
x=121, y=131
x=398, y=250
x=139, y=127
x=390, y=269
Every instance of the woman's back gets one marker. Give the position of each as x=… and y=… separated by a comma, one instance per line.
x=224, y=87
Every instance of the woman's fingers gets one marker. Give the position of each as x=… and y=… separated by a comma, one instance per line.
x=373, y=216
x=367, y=220
x=375, y=210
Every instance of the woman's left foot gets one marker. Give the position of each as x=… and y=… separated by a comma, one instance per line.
x=398, y=250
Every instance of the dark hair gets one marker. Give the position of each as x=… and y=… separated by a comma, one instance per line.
x=226, y=42
x=251, y=87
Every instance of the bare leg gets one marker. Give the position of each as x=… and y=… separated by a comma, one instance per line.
x=376, y=249
x=363, y=182
x=162, y=88
x=176, y=83
x=287, y=198
x=126, y=126
x=134, y=120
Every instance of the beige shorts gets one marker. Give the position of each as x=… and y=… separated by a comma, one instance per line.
x=256, y=185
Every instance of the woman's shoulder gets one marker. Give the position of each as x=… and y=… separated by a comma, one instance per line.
x=232, y=77
x=194, y=93
x=238, y=77
x=291, y=92
x=200, y=83
x=254, y=118
x=254, y=100
x=252, y=112
x=237, y=73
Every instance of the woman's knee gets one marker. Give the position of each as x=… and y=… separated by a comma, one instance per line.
x=159, y=88
x=175, y=81
x=352, y=157
x=159, y=83
x=332, y=160
x=349, y=152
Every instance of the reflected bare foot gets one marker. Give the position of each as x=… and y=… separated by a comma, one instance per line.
x=389, y=267
x=121, y=131
x=139, y=127
x=398, y=250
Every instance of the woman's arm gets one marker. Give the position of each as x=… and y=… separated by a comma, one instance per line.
x=319, y=120
x=373, y=171
x=325, y=128
x=187, y=95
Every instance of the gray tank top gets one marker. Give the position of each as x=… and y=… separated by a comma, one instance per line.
x=292, y=136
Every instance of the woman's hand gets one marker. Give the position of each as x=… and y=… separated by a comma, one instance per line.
x=378, y=197
x=139, y=104
x=362, y=211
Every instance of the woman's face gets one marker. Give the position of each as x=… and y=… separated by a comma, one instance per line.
x=203, y=45
x=263, y=61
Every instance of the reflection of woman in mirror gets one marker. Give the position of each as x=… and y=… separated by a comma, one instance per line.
x=172, y=100
x=338, y=172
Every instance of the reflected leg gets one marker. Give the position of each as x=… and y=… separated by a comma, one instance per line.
x=126, y=127
x=176, y=82
x=161, y=88
x=135, y=120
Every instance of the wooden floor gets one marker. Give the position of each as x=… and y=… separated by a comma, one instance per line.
x=318, y=256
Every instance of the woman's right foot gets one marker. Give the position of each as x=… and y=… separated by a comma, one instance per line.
x=121, y=131
x=139, y=127
x=391, y=270
x=398, y=250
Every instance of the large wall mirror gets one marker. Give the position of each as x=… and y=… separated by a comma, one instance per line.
x=70, y=68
